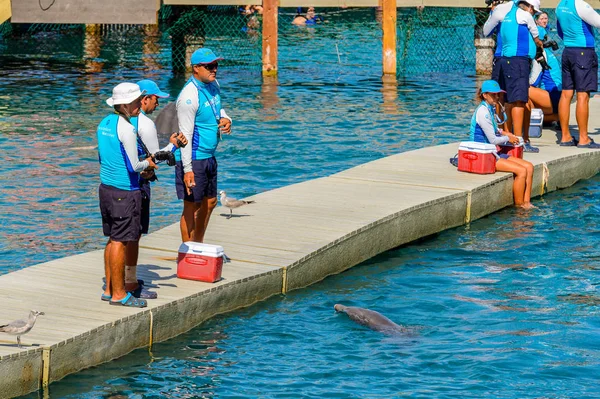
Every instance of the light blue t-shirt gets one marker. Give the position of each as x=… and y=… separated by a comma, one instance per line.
x=207, y=99
x=117, y=153
x=515, y=31
x=576, y=20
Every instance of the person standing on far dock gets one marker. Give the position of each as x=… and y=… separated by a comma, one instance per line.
x=201, y=120
x=119, y=191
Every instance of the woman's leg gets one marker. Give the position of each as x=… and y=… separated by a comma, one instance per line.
x=528, y=178
x=504, y=165
x=541, y=99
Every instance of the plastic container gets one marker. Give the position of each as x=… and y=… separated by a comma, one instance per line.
x=474, y=157
x=200, y=262
x=537, y=120
x=514, y=150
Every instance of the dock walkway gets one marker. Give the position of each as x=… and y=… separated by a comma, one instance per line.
x=290, y=238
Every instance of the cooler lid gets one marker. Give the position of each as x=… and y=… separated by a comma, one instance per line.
x=537, y=113
x=199, y=248
x=474, y=146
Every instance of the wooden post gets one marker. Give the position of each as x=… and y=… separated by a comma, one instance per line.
x=390, y=16
x=269, y=40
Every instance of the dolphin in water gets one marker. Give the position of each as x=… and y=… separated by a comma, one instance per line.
x=166, y=121
x=372, y=319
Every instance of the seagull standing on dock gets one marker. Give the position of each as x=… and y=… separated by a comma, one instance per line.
x=232, y=203
x=21, y=327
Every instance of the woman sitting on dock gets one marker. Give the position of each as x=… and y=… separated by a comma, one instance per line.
x=484, y=129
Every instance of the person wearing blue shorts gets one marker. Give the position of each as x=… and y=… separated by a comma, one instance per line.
x=576, y=20
x=517, y=38
x=201, y=120
x=484, y=129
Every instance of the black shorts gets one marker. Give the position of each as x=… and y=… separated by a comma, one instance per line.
x=580, y=69
x=145, y=211
x=120, y=211
x=514, y=78
x=205, y=175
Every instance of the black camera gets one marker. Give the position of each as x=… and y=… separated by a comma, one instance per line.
x=490, y=3
x=539, y=57
x=551, y=44
x=161, y=156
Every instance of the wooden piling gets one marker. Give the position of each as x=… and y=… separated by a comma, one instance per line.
x=389, y=36
x=269, y=41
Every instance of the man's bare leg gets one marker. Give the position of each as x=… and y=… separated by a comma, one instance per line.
x=107, y=268
x=131, y=261
x=203, y=217
x=582, y=112
x=187, y=222
x=116, y=260
x=517, y=111
x=564, y=113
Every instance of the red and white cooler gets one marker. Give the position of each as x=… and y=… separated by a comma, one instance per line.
x=200, y=262
x=474, y=157
x=512, y=150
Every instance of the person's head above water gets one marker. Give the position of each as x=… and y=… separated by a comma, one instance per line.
x=204, y=65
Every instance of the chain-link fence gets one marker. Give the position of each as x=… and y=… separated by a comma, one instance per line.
x=430, y=40
x=168, y=45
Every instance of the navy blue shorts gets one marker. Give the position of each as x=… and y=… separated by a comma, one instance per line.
x=514, y=78
x=120, y=211
x=205, y=175
x=580, y=69
x=555, y=99
x=496, y=69
x=145, y=211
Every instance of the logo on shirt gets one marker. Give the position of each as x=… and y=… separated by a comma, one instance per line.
x=188, y=101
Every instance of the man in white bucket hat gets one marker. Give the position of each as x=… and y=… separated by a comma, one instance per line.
x=119, y=191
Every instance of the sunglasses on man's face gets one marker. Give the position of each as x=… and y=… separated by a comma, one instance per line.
x=210, y=67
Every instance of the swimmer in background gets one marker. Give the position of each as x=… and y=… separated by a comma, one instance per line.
x=546, y=85
x=484, y=129
x=310, y=18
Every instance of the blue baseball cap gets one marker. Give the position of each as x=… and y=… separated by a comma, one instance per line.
x=491, y=86
x=151, y=89
x=204, y=56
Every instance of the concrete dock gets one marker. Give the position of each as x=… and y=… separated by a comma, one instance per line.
x=290, y=238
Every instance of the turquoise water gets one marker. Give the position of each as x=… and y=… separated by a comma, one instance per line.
x=507, y=307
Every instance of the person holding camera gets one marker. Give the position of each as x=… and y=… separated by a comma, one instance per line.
x=546, y=84
x=576, y=20
x=517, y=39
x=119, y=191
x=201, y=120
x=147, y=146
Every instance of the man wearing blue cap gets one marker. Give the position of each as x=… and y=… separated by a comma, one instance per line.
x=147, y=135
x=201, y=120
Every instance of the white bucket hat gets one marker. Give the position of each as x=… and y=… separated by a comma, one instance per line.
x=124, y=93
x=535, y=4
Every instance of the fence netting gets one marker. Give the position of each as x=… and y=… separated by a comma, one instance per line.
x=430, y=40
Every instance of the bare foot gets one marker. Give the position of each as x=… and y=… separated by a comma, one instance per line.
x=131, y=286
x=528, y=205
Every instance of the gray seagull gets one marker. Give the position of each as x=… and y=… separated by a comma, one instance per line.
x=21, y=327
x=232, y=203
